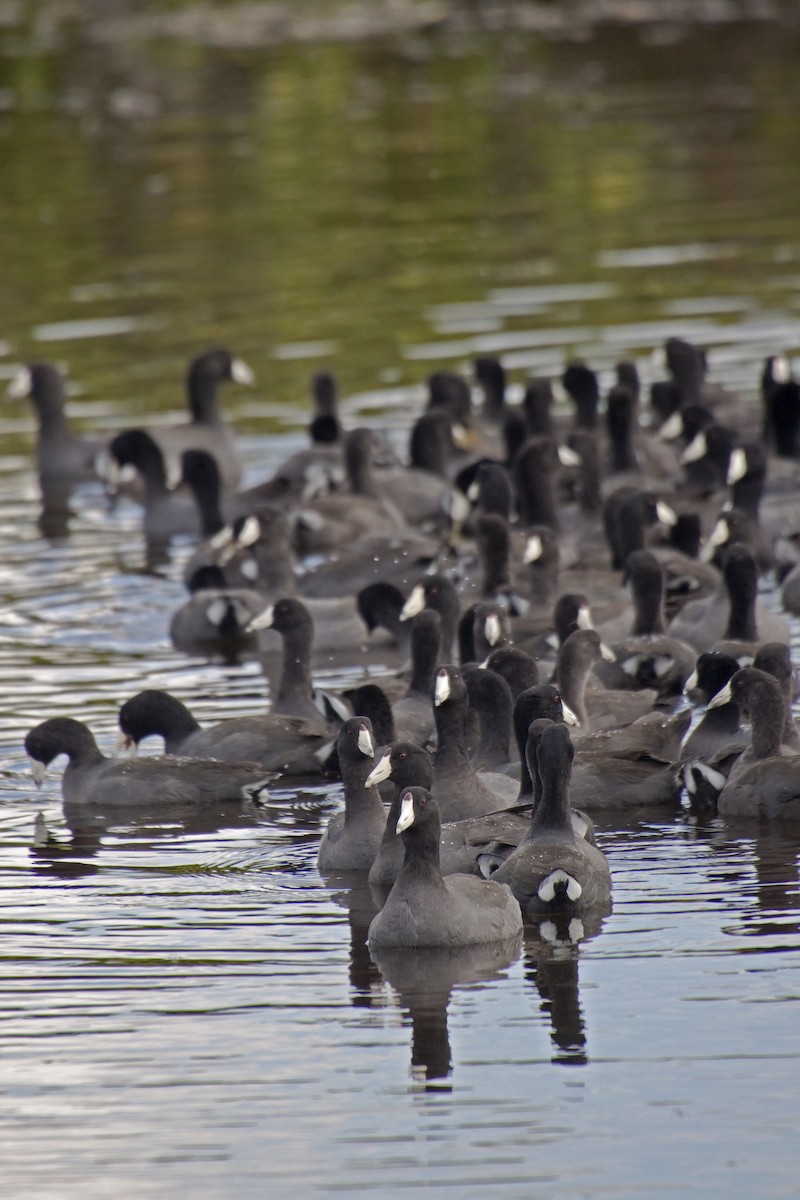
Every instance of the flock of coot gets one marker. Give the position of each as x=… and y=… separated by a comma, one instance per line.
x=589, y=566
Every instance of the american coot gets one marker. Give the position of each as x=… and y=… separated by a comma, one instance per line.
x=406, y=765
x=461, y=842
x=396, y=559
x=535, y=471
x=532, y=710
x=426, y=909
x=317, y=469
x=765, y=780
x=655, y=737
x=552, y=869
x=341, y=627
x=734, y=526
x=537, y=407
x=541, y=558
x=490, y=700
x=493, y=542
x=433, y=444
x=491, y=629
x=515, y=666
x=688, y=366
x=540, y=637
x=439, y=593
x=632, y=451
x=581, y=384
x=168, y=511
x=93, y=781
x=418, y=491
x=253, y=556
x=413, y=712
x=458, y=788
x=206, y=430
x=646, y=657
x=595, y=708
x=490, y=490
x=719, y=726
x=255, y=550
x=295, y=692
x=639, y=775
x=467, y=651
x=712, y=748
x=214, y=621
x=627, y=515
x=540, y=702
x=749, y=621
x=339, y=518
x=352, y=837
x=289, y=745
x=62, y=456
x=776, y=659
x=491, y=376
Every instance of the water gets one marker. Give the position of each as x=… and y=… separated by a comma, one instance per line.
x=191, y=1006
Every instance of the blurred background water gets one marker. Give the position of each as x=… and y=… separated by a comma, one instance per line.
x=191, y=1005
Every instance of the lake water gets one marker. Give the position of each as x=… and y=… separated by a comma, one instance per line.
x=192, y=1007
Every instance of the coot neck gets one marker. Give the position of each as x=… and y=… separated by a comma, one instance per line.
x=572, y=679
x=451, y=753
x=494, y=543
x=295, y=682
x=421, y=858
x=767, y=724
x=274, y=560
x=357, y=798
x=425, y=642
x=742, y=619
x=553, y=811
x=202, y=390
x=619, y=420
x=536, y=498
x=649, y=611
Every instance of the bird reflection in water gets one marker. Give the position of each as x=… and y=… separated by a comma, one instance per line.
x=69, y=854
x=424, y=981
x=758, y=859
x=552, y=948
x=366, y=990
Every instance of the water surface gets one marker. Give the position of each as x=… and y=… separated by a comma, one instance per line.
x=191, y=1006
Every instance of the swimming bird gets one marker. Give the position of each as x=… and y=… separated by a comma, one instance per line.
x=93, y=781
x=552, y=869
x=426, y=909
x=63, y=457
x=290, y=745
x=351, y=839
x=458, y=788
x=461, y=843
x=765, y=779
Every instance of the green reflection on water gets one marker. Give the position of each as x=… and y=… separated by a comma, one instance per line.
x=331, y=194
